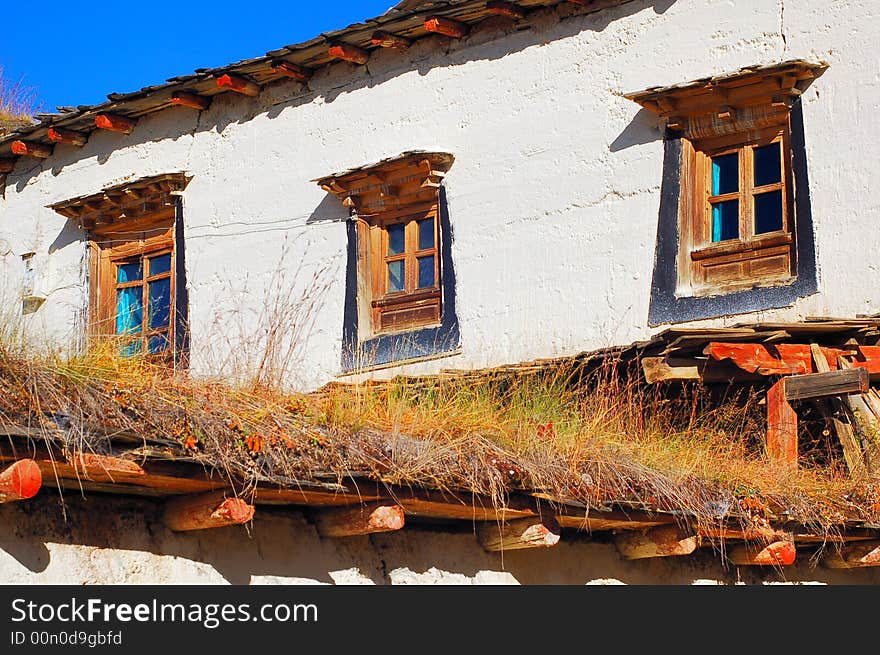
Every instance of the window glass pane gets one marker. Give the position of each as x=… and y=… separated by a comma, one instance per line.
x=768, y=168
x=725, y=220
x=426, y=272
x=768, y=212
x=131, y=348
x=129, y=312
x=426, y=234
x=160, y=303
x=129, y=272
x=160, y=264
x=158, y=343
x=395, y=276
x=396, y=238
x=725, y=174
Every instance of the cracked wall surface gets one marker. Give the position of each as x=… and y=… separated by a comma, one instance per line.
x=553, y=196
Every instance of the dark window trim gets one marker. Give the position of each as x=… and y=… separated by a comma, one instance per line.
x=665, y=307
x=420, y=343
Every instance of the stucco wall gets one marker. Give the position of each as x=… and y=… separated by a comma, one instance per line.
x=111, y=541
x=553, y=196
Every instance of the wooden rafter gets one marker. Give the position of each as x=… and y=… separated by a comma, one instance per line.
x=349, y=52
x=20, y=480
x=291, y=70
x=360, y=519
x=115, y=123
x=385, y=39
x=7, y=165
x=239, y=84
x=203, y=511
x=191, y=100
x=69, y=137
x=31, y=149
x=519, y=534
x=447, y=27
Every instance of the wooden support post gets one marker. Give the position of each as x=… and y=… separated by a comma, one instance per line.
x=832, y=383
x=665, y=541
x=191, y=100
x=447, y=26
x=294, y=71
x=19, y=481
x=776, y=553
x=7, y=165
x=348, y=52
x=69, y=137
x=209, y=510
x=385, y=39
x=115, y=123
x=31, y=149
x=852, y=556
x=359, y=519
x=782, y=423
x=238, y=84
x=519, y=533
x=505, y=9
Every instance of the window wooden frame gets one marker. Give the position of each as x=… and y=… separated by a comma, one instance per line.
x=751, y=259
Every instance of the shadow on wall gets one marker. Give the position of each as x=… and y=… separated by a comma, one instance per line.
x=117, y=540
x=644, y=127
x=497, y=38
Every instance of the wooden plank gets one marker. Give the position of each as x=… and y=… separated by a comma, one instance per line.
x=519, y=534
x=115, y=123
x=853, y=556
x=348, y=52
x=359, y=519
x=776, y=553
x=58, y=135
x=785, y=358
x=191, y=100
x=664, y=369
x=832, y=383
x=238, y=84
x=781, y=427
x=20, y=481
x=593, y=520
x=832, y=411
x=31, y=149
x=665, y=541
x=447, y=27
x=203, y=511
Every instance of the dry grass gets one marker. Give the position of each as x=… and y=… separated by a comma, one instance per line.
x=597, y=440
x=18, y=103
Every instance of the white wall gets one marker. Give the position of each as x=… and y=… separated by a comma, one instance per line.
x=554, y=192
x=107, y=540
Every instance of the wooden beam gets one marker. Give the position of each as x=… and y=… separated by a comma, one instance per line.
x=7, y=165
x=832, y=383
x=665, y=541
x=789, y=358
x=447, y=26
x=776, y=553
x=69, y=137
x=115, y=123
x=294, y=71
x=103, y=466
x=508, y=9
x=359, y=519
x=31, y=149
x=664, y=369
x=536, y=532
x=202, y=511
x=19, y=481
x=853, y=556
x=238, y=84
x=348, y=52
x=782, y=424
x=191, y=100
x=385, y=39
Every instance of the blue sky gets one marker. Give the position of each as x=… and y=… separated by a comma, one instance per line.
x=75, y=54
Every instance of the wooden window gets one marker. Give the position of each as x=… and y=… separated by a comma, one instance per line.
x=405, y=266
x=736, y=219
x=396, y=206
x=736, y=216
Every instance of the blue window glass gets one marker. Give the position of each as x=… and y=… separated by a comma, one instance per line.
x=160, y=264
x=158, y=343
x=396, y=239
x=160, y=303
x=768, y=165
x=129, y=310
x=426, y=234
x=426, y=272
x=129, y=272
x=396, y=276
x=725, y=174
x=768, y=212
x=725, y=220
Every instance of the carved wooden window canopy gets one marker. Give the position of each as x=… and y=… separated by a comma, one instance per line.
x=122, y=202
